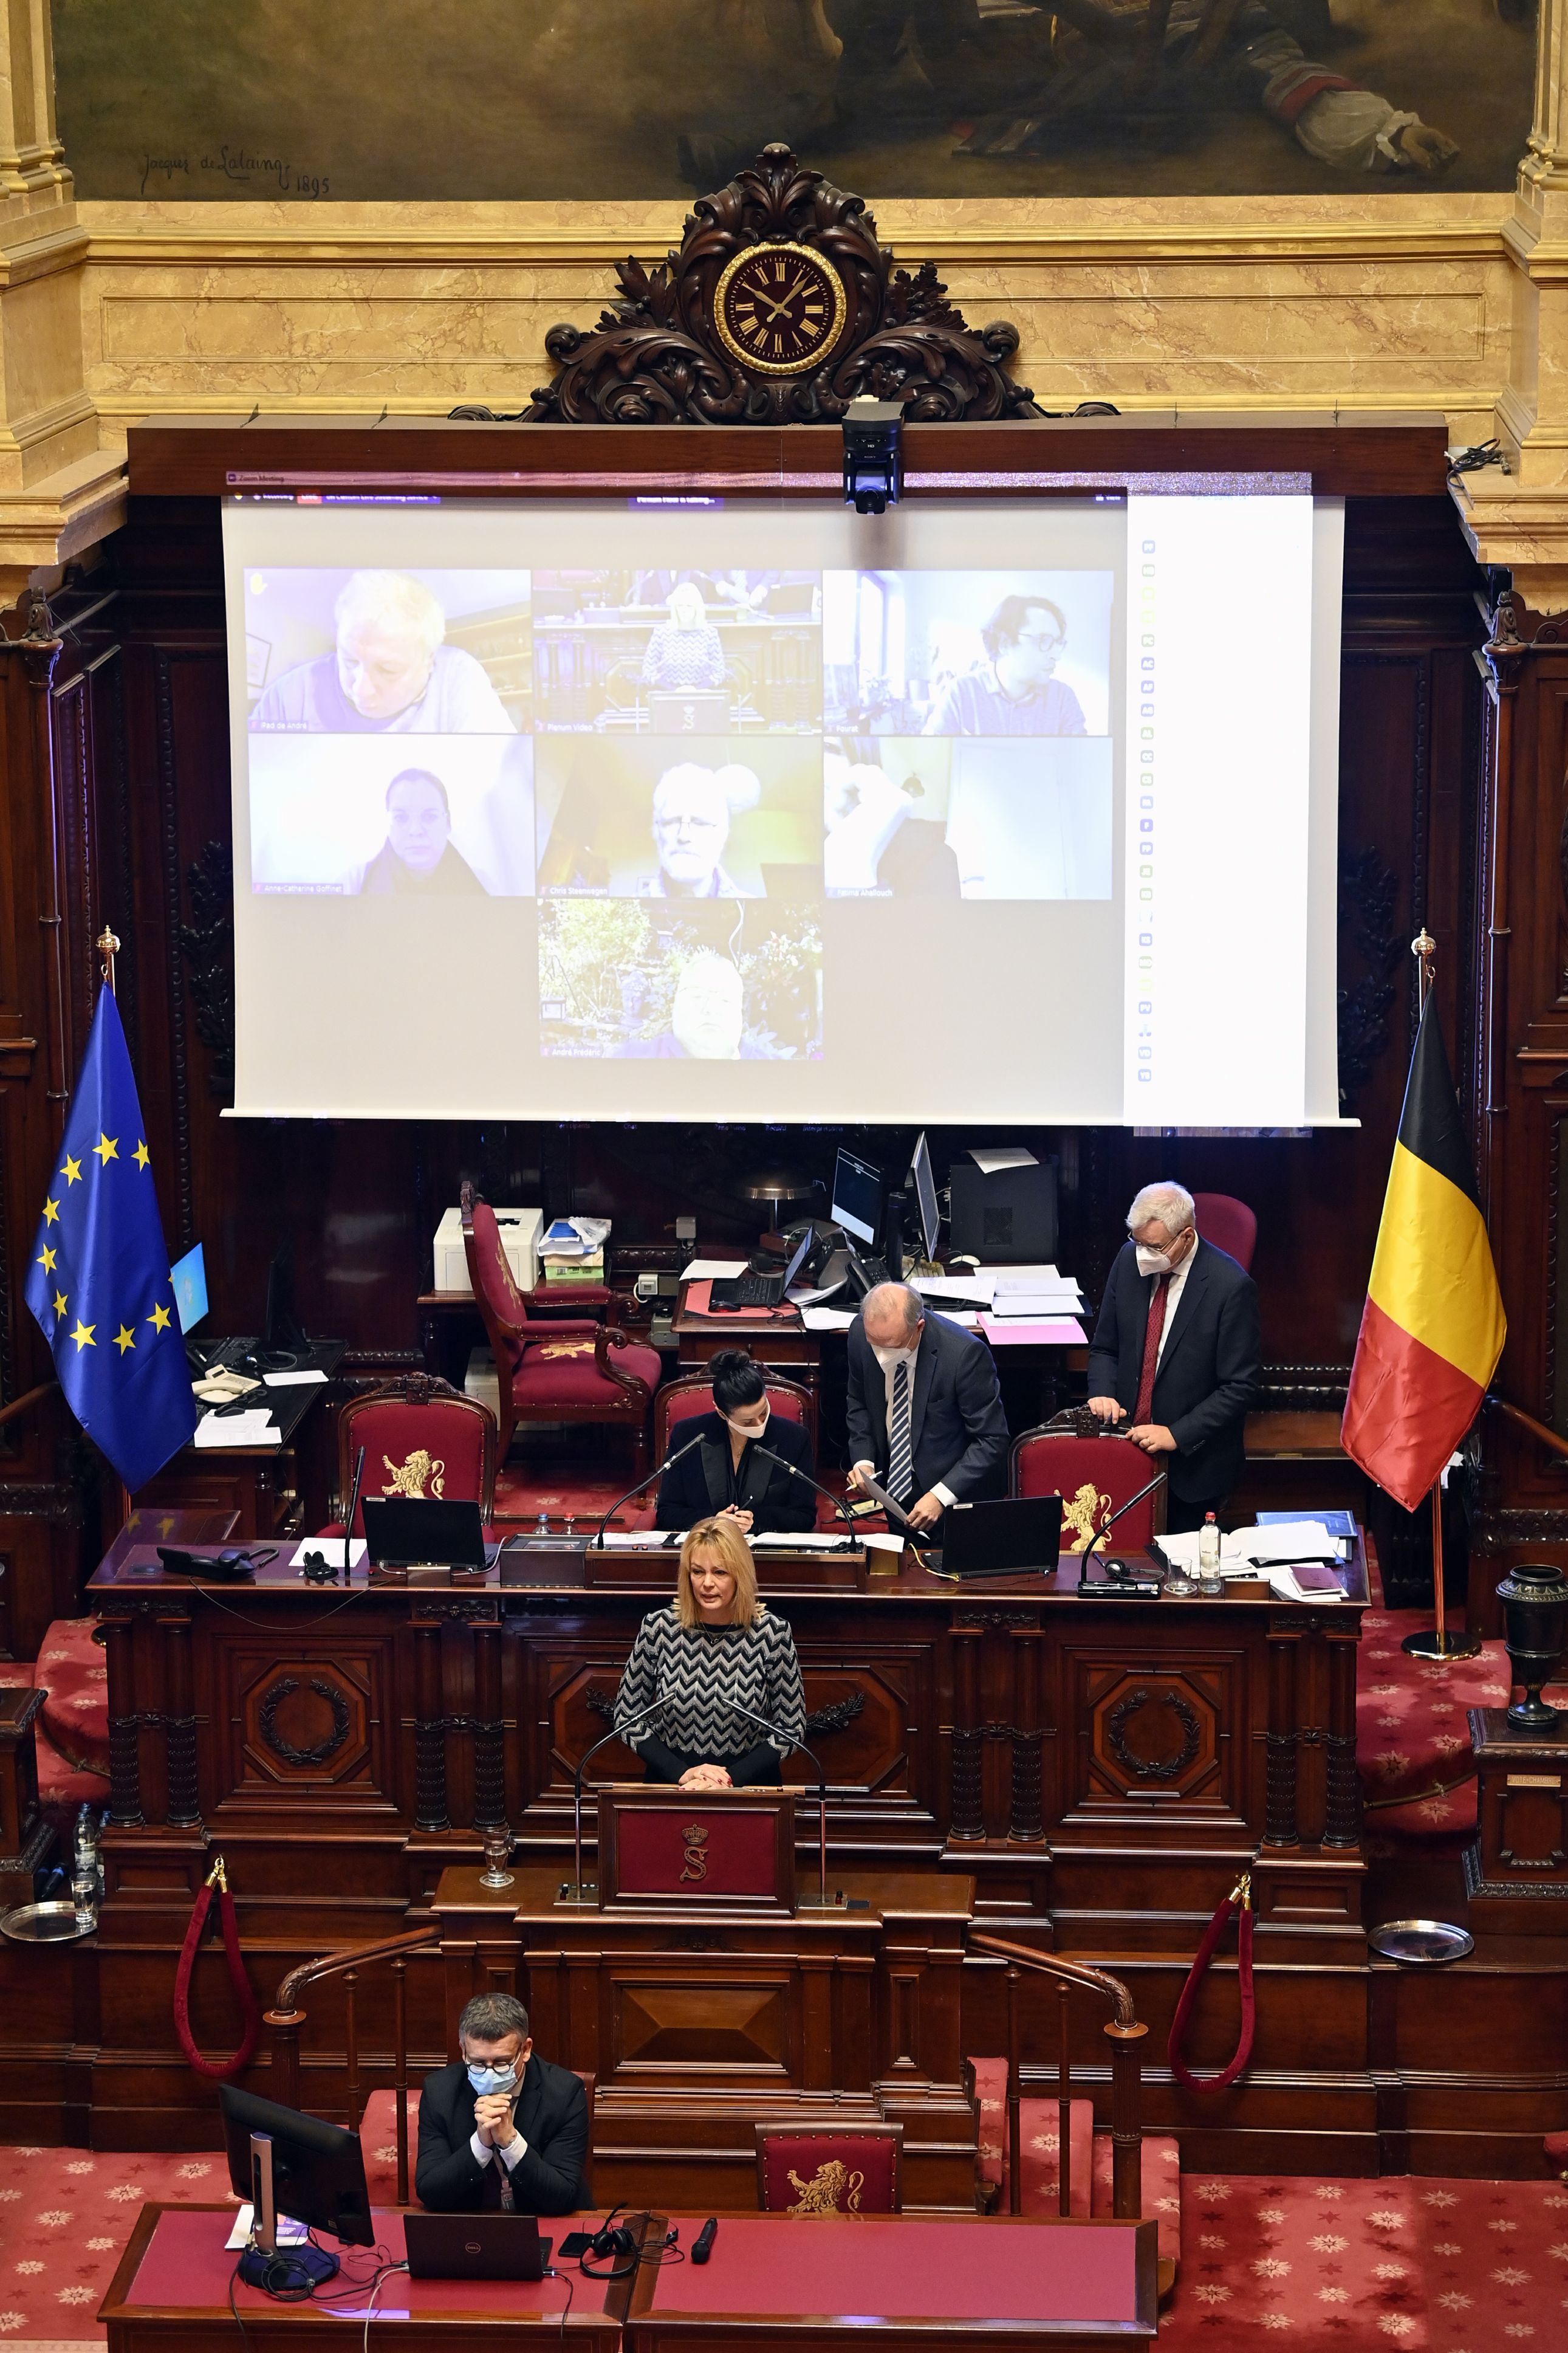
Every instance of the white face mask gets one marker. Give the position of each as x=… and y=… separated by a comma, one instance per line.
x=747, y=1428
x=1158, y=1261
x=888, y=1357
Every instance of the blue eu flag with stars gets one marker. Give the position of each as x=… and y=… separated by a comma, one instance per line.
x=98, y=1286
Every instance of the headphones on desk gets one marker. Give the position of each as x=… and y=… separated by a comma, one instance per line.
x=618, y=2242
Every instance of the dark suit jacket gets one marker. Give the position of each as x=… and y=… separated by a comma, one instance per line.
x=956, y=1422
x=703, y=1482
x=552, y=2115
x=1208, y=1369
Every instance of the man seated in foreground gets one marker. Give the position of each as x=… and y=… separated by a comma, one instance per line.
x=501, y=2128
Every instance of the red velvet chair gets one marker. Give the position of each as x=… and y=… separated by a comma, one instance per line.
x=421, y=1438
x=693, y=1394
x=570, y=1369
x=850, y=2170
x=1076, y=1458
x=1228, y=1224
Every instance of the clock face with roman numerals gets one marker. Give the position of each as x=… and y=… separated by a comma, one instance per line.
x=779, y=308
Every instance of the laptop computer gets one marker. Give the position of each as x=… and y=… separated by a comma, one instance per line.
x=474, y=2246
x=1001, y=1537
x=753, y=1290
x=404, y=1532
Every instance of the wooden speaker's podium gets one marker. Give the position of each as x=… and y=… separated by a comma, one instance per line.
x=724, y=1849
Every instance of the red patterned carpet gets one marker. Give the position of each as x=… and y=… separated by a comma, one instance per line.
x=1360, y=2267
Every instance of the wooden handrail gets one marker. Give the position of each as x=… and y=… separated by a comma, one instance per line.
x=1125, y=2034
x=350, y=1957
x=1052, y=1966
x=285, y=2020
x=1538, y=1430
x=29, y=1398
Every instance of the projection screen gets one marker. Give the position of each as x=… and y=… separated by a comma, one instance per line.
x=696, y=808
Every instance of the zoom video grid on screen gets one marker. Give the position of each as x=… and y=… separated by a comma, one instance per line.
x=694, y=809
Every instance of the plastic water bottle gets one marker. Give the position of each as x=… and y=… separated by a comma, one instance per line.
x=1208, y=1546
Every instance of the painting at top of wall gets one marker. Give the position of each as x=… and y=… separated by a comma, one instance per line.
x=384, y=100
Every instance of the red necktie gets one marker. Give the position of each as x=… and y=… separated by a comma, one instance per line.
x=1151, y=1331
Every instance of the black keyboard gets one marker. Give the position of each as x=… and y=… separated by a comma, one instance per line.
x=746, y=1291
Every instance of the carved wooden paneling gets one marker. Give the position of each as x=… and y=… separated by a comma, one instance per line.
x=1162, y=1737
x=305, y=1722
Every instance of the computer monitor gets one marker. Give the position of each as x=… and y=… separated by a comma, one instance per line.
x=925, y=1195
x=189, y=1277
x=317, y=2169
x=856, y=1204
x=417, y=1532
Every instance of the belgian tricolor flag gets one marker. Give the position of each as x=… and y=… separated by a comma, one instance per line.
x=1432, y=1328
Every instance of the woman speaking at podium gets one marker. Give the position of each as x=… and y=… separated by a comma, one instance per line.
x=714, y=1652
x=729, y=1473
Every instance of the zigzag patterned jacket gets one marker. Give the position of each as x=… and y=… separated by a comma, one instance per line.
x=703, y=1669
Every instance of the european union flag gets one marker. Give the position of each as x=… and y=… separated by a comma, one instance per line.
x=99, y=1284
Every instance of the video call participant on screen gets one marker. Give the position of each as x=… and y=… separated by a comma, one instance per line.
x=686, y=649
x=716, y=1643
x=707, y=1018
x=1015, y=690
x=692, y=809
x=924, y=1409
x=418, y=854
x=390, y=673
x=874, y=837
x=1176, y=1353
x=726, y=1477
x=500, y=2127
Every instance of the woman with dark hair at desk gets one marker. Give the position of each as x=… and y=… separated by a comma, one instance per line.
x=728, y=1474
x=721, y=1660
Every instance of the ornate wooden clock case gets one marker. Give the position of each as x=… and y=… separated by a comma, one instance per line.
x=779, y=308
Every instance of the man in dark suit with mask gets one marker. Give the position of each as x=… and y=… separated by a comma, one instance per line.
x=500, y=2129
x=924, y=1409
x=1176, y=1351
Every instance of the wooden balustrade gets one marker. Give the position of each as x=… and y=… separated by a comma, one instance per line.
x=286, y=2019
x=1124, y=2033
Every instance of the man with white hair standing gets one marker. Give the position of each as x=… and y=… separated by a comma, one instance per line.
x=1175, y=1353
x=390, y=671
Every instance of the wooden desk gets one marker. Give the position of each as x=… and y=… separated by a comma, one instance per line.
x=700, y=2020
x=780, y=1340
x=801, y=2282
x=258, y=1486
x=171, y=2295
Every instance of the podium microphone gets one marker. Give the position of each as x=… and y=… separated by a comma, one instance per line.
x=658, y=1473
x=734, y=1708
x=1110, y=1520
x=622, y=1724
x=796, y=1472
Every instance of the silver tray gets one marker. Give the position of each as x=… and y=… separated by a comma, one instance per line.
x=1423, y=1942
x=45, y=1923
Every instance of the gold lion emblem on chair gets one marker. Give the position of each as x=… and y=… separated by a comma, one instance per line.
x=1081, y=1515
x=832, y=2189
x=410, y=1477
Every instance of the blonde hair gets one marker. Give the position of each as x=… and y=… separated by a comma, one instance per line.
x=394, y=596
x=723, y=1537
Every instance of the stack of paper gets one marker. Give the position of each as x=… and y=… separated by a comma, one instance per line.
x=253, y=1428
x=1035, y=1290
x=572, y=1251
x=1285, y=1540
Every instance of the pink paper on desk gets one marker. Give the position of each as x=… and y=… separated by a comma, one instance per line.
x=1004, y=1332
x=698, y=1303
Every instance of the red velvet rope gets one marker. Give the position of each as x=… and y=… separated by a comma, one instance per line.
x=215, y=2071
x=1238, y=1902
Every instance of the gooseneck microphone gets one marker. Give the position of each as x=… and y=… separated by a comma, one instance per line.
x=805, y=1477
x=637, y=1722
x=1110, y=1520
x=792, y=1741
x=658, y=1473
x=353, y=1507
